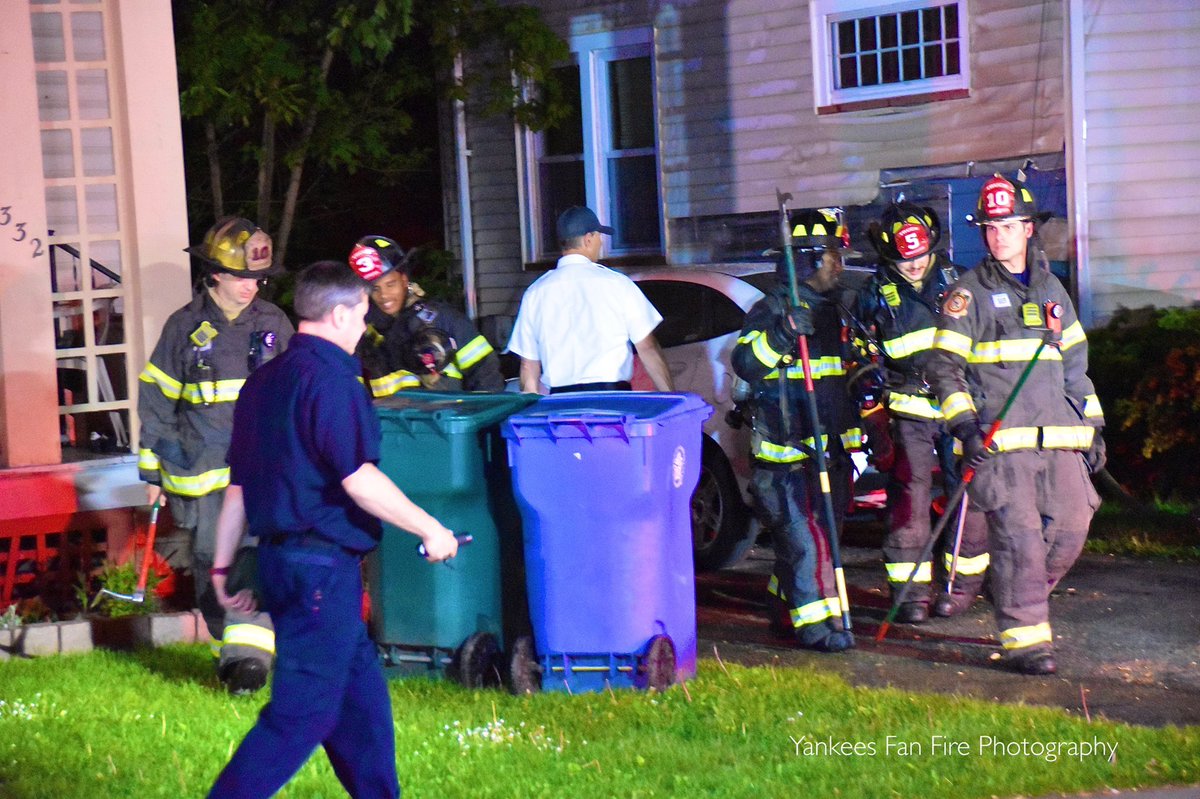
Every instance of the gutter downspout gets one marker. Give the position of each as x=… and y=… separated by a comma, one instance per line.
x=465, y=223
x=1077, y=159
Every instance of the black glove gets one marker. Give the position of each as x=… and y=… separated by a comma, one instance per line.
x=788, y=326
x=974, y=452
x=1097, y=456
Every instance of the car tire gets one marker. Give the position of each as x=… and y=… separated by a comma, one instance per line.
x=721, y=529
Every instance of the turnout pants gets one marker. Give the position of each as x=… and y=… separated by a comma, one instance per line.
x=327, y=688
x=789, y=503
x=921, y=445
x=1039, y=504
x=235, y=635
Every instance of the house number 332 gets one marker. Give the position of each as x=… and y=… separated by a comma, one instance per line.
x=18, y=230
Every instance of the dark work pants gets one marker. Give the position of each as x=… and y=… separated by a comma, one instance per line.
x=921, y=446
x=328, y=688
x=1039, y=506
x=789, y=502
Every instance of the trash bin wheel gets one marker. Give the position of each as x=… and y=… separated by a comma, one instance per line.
x=479, y=661
x=658, y=664
x=524, y=670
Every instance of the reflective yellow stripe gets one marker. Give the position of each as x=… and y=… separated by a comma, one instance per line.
x=389, y=384
x=779, y=453
x=852, y=439
x=1072, y=335
x=829, y=366
x=475, y=351
x=196, y=485
x=914, y=405
x=1091, y=407
x=975, y=565
x=773, y=587
x=147, y=460
x=249, y=635
x=1012, y=351
x=168, y=385
x=898, y=572
x=450, y=370
x=953, y=342
x=214, y=648
x=816, y=612
x=910, y=343
x=956, y=404
x=213, y=391
x=757, y=340
x=1068, y=437
x=1008, y=439
x=1021, y=637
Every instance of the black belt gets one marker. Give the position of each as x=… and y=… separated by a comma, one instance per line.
x=305, y=540
x=619, y=385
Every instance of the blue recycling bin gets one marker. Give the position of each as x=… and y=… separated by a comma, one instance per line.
x=445, y=452
x=604, y=482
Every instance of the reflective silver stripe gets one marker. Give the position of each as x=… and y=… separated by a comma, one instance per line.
x=249, y=635
x=914, y=405
x=852, y=439
x=953, y=342
x=910, y=343
x=1021, y=637
x=196, y=485
x=1068, y=437
x=956, y=404
x=779, y=453
x=1072, y=335
x=389, y=384
x=898, y=572
x=971, y=566
x=147, y=460
x=1012, y=351
x=1091, y=407
x=816, y=612
x=757, y=340
x=828, y=366
x=169, y=386
x=473, y=352
x=212, y=391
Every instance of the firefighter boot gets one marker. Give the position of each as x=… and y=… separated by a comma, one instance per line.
x=779, y=618
x=1036, y=663
x=822, y=639
x=947, y=605
x=243, y=676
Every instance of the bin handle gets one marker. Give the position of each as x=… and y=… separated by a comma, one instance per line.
x=614, y=420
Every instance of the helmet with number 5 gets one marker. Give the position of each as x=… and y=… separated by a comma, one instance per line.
x=905, y=232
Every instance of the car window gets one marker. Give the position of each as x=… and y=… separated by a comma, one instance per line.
x=691, y=312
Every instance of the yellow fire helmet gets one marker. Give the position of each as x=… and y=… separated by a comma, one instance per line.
x=237, y=246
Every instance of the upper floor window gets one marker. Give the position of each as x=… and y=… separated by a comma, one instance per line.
x=866, y=54
x=605, y=154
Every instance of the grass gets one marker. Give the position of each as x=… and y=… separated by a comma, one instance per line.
x=1160, y=529
x=154, y=724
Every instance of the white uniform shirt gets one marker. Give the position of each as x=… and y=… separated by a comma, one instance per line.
x=579, y=320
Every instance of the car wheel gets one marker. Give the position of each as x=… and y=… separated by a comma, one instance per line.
x=720, y=520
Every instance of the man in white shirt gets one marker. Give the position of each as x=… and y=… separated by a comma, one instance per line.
x=576, y=322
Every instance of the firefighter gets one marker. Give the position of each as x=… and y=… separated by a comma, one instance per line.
x=412, y=342
x=802, y=595
x=904, y=428
x=186, y=395
x=1033, y=482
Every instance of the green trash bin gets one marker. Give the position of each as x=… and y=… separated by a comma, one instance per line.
x=446, y=453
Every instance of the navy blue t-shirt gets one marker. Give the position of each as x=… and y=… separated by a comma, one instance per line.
x=303, y=422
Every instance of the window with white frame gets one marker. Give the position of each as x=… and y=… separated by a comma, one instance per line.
x=865, y=52
x=605, y=154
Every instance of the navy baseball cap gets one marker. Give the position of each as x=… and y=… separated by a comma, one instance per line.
x=578, y=221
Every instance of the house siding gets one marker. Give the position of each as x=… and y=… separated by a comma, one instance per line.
x=1143, y=154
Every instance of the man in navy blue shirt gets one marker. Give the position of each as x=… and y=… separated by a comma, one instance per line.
x=303, y=474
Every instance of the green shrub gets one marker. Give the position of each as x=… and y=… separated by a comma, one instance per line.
x=1146, y=367
x=122, y=578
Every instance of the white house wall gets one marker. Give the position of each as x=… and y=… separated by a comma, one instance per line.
x=1142, y=105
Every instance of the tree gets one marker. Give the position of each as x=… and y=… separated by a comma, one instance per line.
x=276, y=87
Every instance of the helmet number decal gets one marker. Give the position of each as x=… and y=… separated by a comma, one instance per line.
x=999, y=198
x=912, y=241
x=366, y=262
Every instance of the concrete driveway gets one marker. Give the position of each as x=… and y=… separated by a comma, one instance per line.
x=1127, y=633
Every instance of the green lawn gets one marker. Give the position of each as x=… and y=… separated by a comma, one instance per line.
x=154, y=724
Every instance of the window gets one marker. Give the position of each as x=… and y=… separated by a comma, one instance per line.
x=866, y=54
x=605, y=155
x=691, y=312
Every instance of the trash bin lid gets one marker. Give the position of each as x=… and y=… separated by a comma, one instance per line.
x=623, y=414
x=451, y=412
